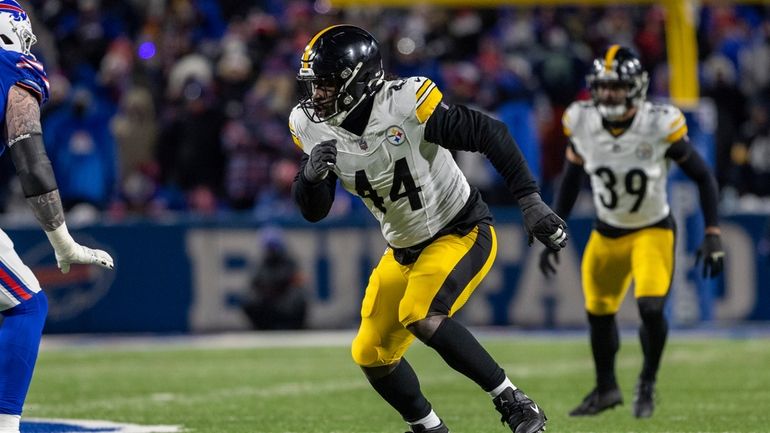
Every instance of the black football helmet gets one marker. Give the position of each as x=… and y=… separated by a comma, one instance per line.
x=619, y=67
x=341, y=66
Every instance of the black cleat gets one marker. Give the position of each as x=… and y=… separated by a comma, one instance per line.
x=596, y=402
x=644, y=399
x=519, y=411
x=419, y=428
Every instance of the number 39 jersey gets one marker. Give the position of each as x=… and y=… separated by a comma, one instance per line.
x=628, y=172
x=413, y=187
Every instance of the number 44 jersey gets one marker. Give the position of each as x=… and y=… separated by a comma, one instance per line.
x=628, y=172
x=413, y=187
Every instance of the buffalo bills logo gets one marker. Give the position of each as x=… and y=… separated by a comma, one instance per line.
x=395, y=135
x=13, y=8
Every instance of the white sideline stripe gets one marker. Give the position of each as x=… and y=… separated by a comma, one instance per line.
x=230, y=340
x=124, y=428
x=343, y=338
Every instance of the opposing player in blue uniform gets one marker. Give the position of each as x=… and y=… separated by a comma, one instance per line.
x=23, y=88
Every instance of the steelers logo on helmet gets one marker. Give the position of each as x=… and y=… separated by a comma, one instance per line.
x=617, y=82
x=340, y=67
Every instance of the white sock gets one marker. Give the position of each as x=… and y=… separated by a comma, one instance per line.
x=429, y=421
x=9, y=423
x=500, y=388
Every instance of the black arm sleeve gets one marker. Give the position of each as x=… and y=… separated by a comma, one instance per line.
x=571, y=182
x=693, y=165
x=32, y=165
x=457, y=127
x=314, y=200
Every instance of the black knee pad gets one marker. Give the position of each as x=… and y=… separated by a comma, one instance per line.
x=425, y=328
x=374, y=373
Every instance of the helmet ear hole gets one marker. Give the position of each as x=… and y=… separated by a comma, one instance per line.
x=6, y=40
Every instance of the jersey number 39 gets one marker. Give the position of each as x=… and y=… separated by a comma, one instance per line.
x=402, y=178
x=635, y=184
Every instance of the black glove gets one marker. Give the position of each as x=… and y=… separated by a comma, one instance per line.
x=543, y=223
x=546, y=267
x=322, y=159
x=712, y=254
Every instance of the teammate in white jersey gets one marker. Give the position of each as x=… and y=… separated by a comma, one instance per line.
x=389, y=143
x=24, y=86
x=626, y=145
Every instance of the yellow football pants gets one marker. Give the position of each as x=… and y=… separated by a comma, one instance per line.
x=439, y=282
x=609, y=265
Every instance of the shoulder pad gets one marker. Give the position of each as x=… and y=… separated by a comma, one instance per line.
x=24, y=71
x=670, y=121
x=571, y=117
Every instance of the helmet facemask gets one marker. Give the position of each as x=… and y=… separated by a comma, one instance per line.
x=331, y=96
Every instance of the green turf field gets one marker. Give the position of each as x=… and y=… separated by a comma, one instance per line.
x=706, y=385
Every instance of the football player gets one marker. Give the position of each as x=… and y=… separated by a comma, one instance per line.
x=389, y=142
x=626, y=146
x=23, y=305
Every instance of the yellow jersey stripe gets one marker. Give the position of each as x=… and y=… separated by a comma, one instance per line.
x=309, y=47
x=426, y=93
x=294, y=136
x=423, y=88
x=428, y=104
x=676, y=135
x=564, y=123
x=610, y=57
x=676, y=127
x=296, y=141
x=677, y=121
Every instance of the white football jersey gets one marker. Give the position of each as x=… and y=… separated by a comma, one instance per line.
x=413, y=187
x=17, y=282
x=628, y=172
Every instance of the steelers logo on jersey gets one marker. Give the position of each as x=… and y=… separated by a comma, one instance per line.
x=644, y=151
x=395, y=135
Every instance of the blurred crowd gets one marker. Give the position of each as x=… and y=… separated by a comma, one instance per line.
x=165, y=106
